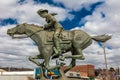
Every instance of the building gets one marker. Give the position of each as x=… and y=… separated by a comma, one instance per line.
x=1, y=71
x=83, y=71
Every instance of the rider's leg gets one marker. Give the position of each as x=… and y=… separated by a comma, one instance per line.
x=57, y=41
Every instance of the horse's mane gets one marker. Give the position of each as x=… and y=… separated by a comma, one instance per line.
x=35, y=25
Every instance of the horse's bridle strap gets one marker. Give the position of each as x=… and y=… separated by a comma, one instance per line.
x=34, y=33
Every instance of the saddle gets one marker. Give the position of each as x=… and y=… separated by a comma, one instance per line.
x=65, y=37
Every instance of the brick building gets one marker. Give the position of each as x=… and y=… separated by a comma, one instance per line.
x=81, y=71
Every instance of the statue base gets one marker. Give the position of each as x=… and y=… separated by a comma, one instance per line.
x=62, y=79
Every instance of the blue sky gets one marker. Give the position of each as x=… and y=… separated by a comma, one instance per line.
x=67, y=24
x=93, y=16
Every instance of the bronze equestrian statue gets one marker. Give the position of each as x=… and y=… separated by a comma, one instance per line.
x=74, y=41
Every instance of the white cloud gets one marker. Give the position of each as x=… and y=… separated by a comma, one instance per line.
x=76, y=5
x=26, y=12
x=110, y=23
x=7, y=8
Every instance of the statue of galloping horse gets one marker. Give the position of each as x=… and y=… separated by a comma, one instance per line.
x=74, y=41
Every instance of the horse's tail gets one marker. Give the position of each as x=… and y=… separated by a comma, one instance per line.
x=101, y=38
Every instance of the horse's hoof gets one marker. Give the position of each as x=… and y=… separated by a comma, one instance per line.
x=62, y=64
x=56, y=56
x=82, y=58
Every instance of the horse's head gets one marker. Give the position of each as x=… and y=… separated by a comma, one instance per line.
x=19, y=29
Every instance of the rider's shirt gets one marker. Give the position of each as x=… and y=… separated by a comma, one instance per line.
x=52, y=22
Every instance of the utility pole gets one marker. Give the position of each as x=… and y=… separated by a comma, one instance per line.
x=105, y=59
x=9, y=68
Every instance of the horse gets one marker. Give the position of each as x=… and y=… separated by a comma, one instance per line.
x=74, y=41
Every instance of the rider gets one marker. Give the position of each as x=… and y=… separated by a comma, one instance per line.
x=52, y=23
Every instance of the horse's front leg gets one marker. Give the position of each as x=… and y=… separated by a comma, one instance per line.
x=47, y=53
x=47, y=65
x=32, y=59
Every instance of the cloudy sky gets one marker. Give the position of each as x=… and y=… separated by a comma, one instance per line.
x=93, y=16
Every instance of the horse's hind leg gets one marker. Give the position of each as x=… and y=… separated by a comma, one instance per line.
x=78, y=55
x=72, y=64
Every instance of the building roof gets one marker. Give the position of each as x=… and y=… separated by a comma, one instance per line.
x=2, y=70
x=80, y=68
x=84, y=70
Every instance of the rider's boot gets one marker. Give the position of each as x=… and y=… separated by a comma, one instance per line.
x=82, y=58
x=57, y=50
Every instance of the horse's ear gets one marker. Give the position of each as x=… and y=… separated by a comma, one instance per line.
x=24, y=24
x=17, y=25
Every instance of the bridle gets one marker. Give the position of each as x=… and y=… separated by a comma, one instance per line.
x=20, y=37
x=34, y=32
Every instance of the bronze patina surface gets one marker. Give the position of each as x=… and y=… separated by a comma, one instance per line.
x=49, y=45
x=74, y=41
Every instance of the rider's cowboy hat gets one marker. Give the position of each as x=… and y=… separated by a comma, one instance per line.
x=45, y=10
x=42, y=10
x=53, y=14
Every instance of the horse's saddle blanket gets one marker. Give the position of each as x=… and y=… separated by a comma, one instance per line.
x=64, y=36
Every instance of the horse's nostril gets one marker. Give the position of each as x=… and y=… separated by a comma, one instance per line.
x=9, y=32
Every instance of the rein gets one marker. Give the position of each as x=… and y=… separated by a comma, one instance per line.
x=34, y=33
x=20, y=37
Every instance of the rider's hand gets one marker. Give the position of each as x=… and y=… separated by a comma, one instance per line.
x=45, y=26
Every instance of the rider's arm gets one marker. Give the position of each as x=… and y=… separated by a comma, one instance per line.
x=51, y=21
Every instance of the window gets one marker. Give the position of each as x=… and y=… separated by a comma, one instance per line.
x=77, y=74
x=71, y=74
